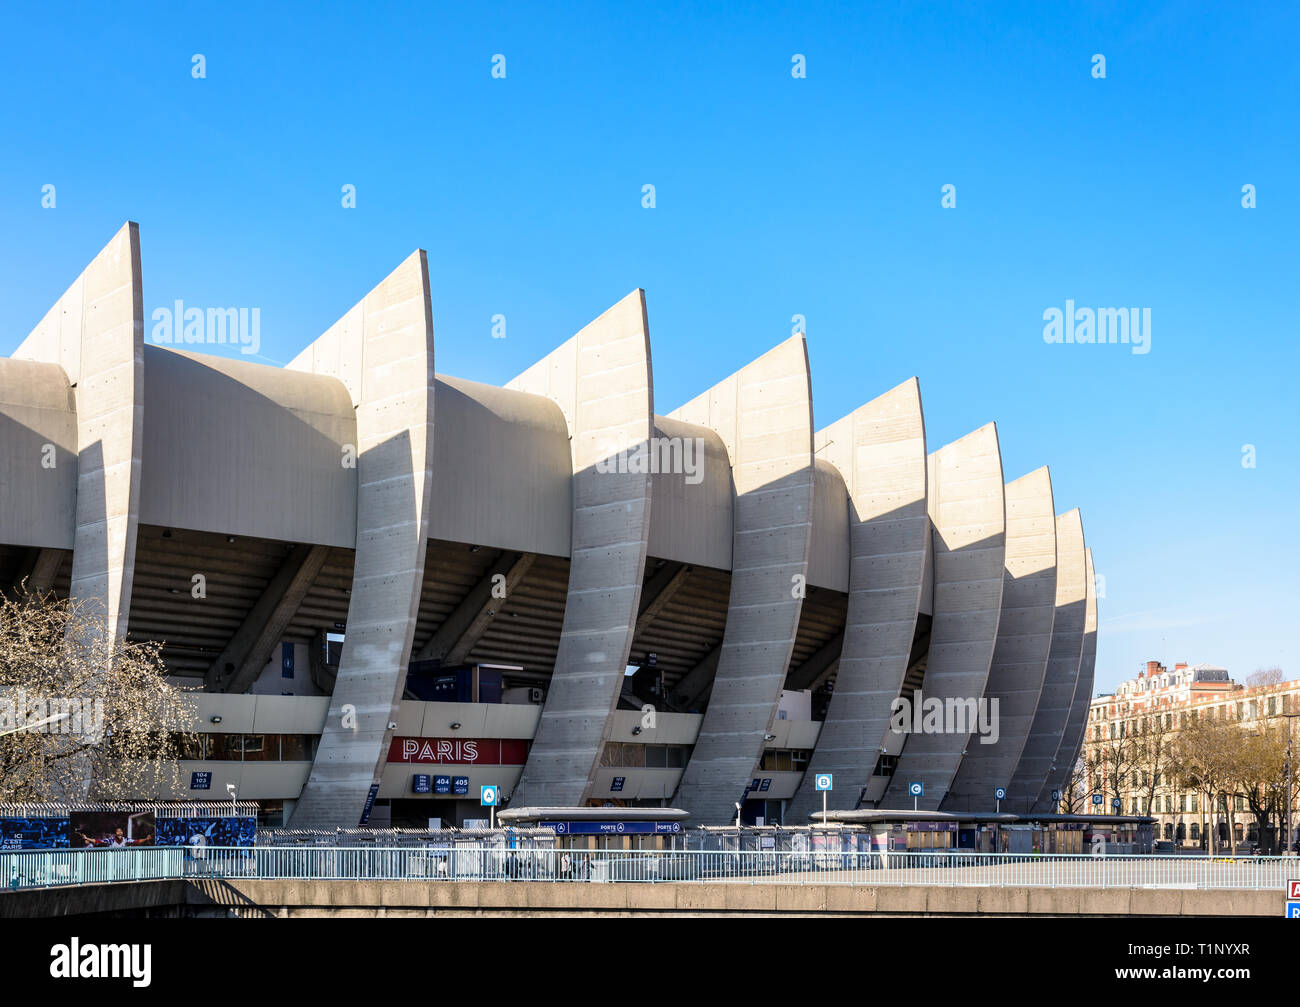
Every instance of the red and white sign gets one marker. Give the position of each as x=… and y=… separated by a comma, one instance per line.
x=460, y=751
x=1293, y=889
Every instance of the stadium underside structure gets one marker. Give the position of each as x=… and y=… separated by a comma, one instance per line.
x=392, y=586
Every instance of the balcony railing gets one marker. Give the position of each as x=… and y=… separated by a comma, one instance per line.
x=52, y=868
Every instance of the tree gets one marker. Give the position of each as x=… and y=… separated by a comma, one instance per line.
x=1112, y=764
x=1264, y=676
x=82, y=715
x=1258, y=773
x=1201, y=758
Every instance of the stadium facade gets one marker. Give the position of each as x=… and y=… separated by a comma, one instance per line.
x=394, y=586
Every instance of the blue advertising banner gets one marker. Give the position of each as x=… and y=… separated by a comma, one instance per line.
x=214, y=831
x=370, y=804
x=613, y=828
x=55, y=832
x=34, y=833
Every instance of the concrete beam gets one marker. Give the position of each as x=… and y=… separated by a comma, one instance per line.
x=382, y=351
x=967, y=508
x=244, y=657
x=40, y=569
x=879, y=450
x=1024, y=639
x=1075, y=726
x=695, y=684
x=819, y=666
x=658, y=592
x=470, y=619
x=1062, y=674
x=764, y=416
x=96, y=333
x=602, y=380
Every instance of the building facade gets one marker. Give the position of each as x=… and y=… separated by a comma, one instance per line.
x=390, y=587
x=1127, y=752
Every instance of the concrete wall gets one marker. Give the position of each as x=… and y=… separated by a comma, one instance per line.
x=96, y=334
x=276, y=898
x=382, y=351
x=880, y=449
x=764, y=415
x=1024, y=639
x=1062, y=672
x=828, y=554
x=244, y=449
x=601, y=379
x=690, y=521
x=968, y=516
x=504, y=469
x=37, y=408
x=1067, y=754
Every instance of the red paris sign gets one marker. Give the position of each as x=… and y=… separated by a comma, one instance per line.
x=460, y=751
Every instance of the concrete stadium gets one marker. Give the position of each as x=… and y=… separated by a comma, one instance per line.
x=548, y=587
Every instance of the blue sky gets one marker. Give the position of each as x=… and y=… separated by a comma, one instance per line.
x=775, y=196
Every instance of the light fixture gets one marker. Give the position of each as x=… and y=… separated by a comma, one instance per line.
x=230, y=538
x=174, y=590
x=769, y=737
x=455, y=725
x=215, y=718
x=637, y=729
x=392, y=725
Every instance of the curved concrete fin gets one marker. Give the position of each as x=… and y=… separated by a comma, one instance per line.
x=879, y=449
x=96, y=334
x=1062, y=674
x=1072, y=741
x=602, y=380
x=968, y=515
x=764, y=415
x=38, y=456
x=382, y=351
x=1020, y=655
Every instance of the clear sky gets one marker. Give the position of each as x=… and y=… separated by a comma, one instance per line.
x=775, y=196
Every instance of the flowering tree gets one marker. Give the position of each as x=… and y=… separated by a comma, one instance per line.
x=82, y=715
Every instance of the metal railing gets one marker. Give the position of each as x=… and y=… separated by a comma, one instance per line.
x=49, y=868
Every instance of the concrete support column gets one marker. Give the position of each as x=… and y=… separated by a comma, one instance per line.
x=880, y=451
x=764, y=416
x=968, y=515
x=96, y=333
x=1024, y=639
x=1072, y=740
x=602, y=380
x=382, y=350
x=1062, y=674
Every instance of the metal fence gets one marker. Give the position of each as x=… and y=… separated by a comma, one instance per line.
x=47, y=868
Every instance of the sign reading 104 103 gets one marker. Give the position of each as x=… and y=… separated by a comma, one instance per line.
x=822, y=781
